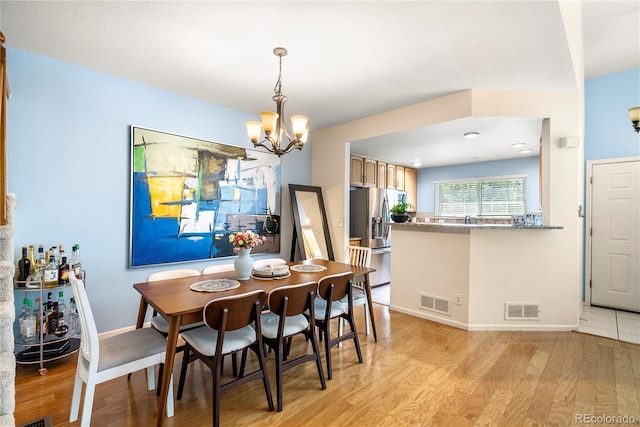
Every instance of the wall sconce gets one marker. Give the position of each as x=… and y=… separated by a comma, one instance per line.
x=634, y=116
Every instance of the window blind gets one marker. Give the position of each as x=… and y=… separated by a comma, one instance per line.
x=502, y=196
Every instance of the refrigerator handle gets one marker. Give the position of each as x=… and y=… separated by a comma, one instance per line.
x=385, y=218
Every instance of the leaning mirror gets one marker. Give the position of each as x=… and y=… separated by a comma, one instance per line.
x=311, y=237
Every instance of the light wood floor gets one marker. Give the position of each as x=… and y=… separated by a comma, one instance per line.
x=420, y=373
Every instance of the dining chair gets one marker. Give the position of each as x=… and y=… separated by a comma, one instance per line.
x=268, y=261
x=360, y=256
x=328, y=305
x=232, y=324
x=159, y=322
x=217, y=268
x=286, y=318
x=103, y=359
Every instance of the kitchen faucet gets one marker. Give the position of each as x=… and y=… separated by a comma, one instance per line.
x=467, y=219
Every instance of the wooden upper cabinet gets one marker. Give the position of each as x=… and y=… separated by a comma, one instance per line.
x=391, y=175
x=411, y=186
x=357, y=164
x=399, y=177
x=382, y=175
x=370, y=172
x=363, y=171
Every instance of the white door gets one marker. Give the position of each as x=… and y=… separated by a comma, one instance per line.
x=615, y=240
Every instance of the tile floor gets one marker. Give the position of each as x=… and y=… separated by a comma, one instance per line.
x=615, y=324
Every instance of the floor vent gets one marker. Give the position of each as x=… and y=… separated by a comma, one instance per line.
x=45, y=421
x=522, y=311
x=437, y=304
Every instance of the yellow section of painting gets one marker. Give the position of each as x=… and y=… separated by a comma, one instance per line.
x=163, y=190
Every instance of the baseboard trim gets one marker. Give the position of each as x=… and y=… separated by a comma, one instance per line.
x=487, y=327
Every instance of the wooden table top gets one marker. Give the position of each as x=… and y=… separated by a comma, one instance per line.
x=174, y=296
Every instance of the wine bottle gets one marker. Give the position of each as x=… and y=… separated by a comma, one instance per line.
x=24, y=268
x=32, y=259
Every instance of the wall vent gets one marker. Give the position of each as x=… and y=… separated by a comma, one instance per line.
x=522, y=311
x=434, y=303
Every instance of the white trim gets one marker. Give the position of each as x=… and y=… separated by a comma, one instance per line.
x=490, y=327
x=125, y=329
x=588, y=211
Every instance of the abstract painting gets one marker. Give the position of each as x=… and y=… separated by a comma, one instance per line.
x=188, y=195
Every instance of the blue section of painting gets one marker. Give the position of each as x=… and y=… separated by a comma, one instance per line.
x=159, y=240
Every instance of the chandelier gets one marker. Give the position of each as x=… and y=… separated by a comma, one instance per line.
x=273, y=123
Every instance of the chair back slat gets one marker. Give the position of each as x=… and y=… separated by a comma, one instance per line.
x=217, y=268
x=172, y=274
x=336, y=286
x=358, y=255
x=89, y=342
x=240, y=310
x=299, y=299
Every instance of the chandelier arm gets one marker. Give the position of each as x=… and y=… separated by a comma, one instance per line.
x=294, y=143
x=266, y=147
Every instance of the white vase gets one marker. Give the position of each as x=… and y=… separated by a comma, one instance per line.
x=243, y=264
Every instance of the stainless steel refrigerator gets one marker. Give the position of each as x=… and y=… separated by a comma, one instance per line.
x=369, y=215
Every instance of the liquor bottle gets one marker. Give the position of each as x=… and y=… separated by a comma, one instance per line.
x=23, y=316
x=32, y=259
x=40, y=260
x=61, y=305
x=24, y=268
x=29, y=325
x=75, y=264
x=51, y=273
x=36, y=312
x=53, y=252
x=46, y=317
x=60, y=253
x=73, y=318
x=63, y=272
x=53, y=319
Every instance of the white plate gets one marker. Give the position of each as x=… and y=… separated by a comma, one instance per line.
x=308, y=268
x=215, y=285
x=253, y=276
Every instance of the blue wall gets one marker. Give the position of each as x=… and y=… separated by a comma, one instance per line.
x=527, y=166
x=608, y=130
x=69, y=166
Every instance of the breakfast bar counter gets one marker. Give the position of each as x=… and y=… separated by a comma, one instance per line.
x=483, y=276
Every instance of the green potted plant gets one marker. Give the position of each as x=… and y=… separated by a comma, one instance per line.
x=399, y=211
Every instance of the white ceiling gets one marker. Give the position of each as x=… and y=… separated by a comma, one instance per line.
x=346, y=59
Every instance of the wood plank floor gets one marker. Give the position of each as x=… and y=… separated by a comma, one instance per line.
x=420, y=373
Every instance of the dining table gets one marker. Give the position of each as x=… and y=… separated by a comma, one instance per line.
x=178, y=303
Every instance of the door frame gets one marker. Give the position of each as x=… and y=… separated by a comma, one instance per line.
x=588, y=210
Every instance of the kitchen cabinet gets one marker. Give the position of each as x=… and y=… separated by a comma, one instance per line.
x=363, y=171
x=382, y=175
x=395, y=177
x=411, y=186
x=391, y=176
x=399, y=177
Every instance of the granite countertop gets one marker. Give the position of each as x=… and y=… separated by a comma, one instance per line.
x=434, y=226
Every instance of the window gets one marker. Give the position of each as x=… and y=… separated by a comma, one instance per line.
x=496, y=196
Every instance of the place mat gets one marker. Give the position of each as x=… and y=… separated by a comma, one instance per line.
x=253, y=276
x=307, y=268
x=215, y=285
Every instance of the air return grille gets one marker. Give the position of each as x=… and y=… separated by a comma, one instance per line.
x=522, y=311
x=45, y=421
x=434, y=303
